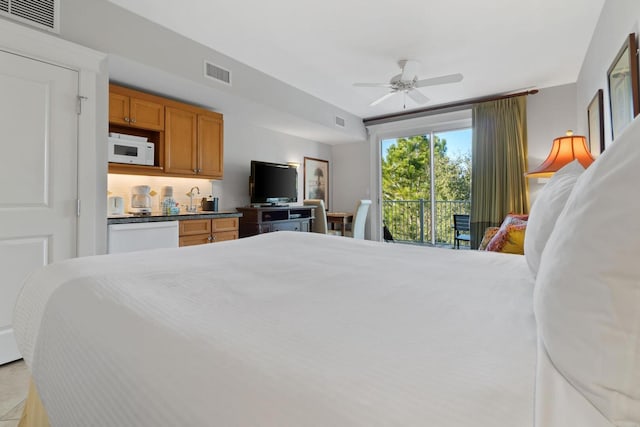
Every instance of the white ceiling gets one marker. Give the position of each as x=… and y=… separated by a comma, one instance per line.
x=322, y=48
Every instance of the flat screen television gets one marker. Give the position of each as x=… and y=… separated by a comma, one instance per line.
x=273, y=183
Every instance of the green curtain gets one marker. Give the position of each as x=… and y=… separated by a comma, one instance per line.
x=499, y=162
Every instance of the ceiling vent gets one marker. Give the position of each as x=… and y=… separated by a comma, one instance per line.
x=339, y=121
x=39, y=13
x=216, y=72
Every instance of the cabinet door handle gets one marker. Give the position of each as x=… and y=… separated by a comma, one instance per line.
x=195, y=171
x=127, y=119
x=133, y=120
x=210, y=239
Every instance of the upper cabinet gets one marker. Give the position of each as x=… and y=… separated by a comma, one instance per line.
x=193, y=143
x=188, y=139
x=181, y=140
x=132, y=108
x=210, y=145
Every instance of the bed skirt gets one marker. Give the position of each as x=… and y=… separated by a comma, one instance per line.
x=33, y=414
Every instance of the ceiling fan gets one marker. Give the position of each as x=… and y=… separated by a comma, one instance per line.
x=407, y=82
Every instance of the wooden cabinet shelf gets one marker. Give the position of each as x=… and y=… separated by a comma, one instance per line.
x=202, y=231
x=124, y=168
x=188, y=139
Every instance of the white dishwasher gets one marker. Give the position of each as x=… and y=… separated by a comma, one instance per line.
x=139, y=236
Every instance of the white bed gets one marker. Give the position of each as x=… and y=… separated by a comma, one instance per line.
x=300, y=329
x=284, y=329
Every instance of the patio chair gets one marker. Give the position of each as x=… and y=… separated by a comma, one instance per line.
x=462, y=229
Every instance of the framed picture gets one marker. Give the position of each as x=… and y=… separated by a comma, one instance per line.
x=316, y=179
x=622, y=77
x=595, y=119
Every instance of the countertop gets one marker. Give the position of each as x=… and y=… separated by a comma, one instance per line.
x=157, y=216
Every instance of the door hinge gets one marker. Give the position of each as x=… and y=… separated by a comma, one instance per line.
x=78, y=207
x=79, y=100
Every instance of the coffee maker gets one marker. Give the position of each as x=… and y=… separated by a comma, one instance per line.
x=140, y=200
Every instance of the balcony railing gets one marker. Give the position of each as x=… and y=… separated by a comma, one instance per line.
x=410, y=220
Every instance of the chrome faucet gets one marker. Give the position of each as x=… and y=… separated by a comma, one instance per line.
x=191, y=207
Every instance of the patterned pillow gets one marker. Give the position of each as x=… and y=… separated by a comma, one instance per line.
x=523, y=217
x=488, y=235
x=510, y=236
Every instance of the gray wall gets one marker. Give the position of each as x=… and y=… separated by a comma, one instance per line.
x=253, y=143
x=268, y=120
x=351, y=169
x=617, y=20
x=550, y=114
x=264, y=119
x=104, y=26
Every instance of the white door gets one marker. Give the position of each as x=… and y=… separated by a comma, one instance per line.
x=38, y=176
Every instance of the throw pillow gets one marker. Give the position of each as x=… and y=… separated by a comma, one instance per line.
x=587, y=292
x=545, y=212
x=509, y=235
x=488, y=235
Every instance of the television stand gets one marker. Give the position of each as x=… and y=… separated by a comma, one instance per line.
x=266, y=219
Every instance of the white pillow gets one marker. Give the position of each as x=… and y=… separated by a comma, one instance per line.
x=587, y=293
x=545, y=212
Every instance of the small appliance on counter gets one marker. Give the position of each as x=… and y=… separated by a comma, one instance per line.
x=209, y=204
x=115, y=206
x=140, y=200
x=168, y=205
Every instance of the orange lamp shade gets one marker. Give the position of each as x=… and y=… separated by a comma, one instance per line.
x=564, y=150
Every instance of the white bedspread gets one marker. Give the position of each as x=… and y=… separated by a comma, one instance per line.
x=283, y=329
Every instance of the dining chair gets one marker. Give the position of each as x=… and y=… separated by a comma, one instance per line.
x=319, y=224
x=359, y=219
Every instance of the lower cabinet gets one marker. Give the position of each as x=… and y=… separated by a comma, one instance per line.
x=201, y=231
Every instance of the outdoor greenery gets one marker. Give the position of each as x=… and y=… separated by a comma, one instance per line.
x=406, y=177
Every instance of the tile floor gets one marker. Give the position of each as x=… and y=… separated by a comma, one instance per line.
x=14, y=384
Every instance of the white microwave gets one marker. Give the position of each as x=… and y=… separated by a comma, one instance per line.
x=131, y=152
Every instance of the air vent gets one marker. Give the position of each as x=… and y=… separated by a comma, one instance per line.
x=339, y=121
x=217, y=73
x=39, y=13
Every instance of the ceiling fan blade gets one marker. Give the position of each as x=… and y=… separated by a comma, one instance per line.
x=451, y=78
x=372, y=84
x=417, y=96
x=379, y=100
x=409, y=70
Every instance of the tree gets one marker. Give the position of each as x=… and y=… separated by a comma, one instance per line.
x=406, y=177
x=406, y=171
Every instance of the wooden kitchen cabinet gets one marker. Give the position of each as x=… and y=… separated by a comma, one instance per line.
x=181, y=142
x=132, y=108
x=188, y=139
x=193, y=143
x=201, y=231
x=210, y=146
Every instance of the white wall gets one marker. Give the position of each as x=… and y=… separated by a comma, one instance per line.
x=104, y=26
x=349, y=177
x=617, y=20
x=244, y=143
x=264, y=119
x=550, y=113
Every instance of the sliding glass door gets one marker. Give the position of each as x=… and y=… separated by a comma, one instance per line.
x=426, y=179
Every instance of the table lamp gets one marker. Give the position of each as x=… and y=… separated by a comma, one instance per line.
x=564, y=150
